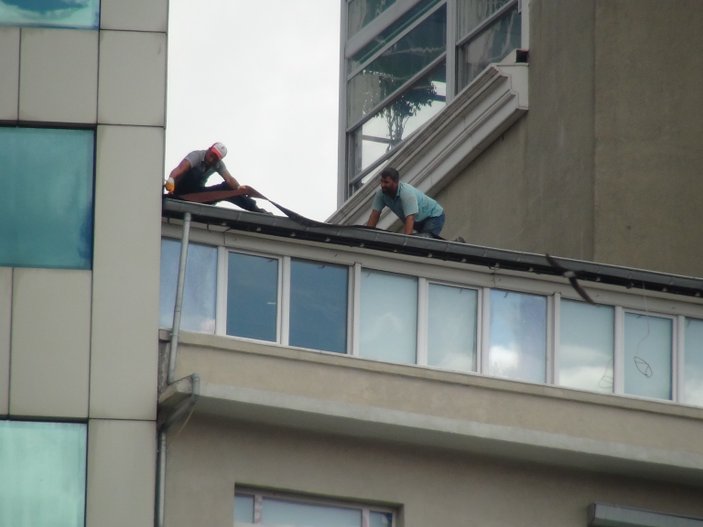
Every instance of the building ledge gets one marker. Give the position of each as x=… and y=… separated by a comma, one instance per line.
x=439, y=151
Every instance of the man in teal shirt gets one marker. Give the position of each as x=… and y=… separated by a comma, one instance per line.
x=417, y=211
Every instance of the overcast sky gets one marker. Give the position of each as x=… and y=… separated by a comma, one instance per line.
x=262, y=77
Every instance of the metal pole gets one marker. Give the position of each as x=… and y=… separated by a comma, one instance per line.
x=179, y=300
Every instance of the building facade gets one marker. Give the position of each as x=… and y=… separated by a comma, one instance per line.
x=81, y=138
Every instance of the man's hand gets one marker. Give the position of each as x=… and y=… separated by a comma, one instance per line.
x=170, y=185
x=409, y=224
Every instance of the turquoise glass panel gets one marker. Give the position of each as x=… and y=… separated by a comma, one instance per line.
x=278, y=512
x=586, y=344
x=451, y=328
x=318, y=306
x=79, y=14
x=388, y=326
x=380, y=519
x=518, y=336
x=46, y=203
x=648, y=347
x=252, y=296
x=198, y=309
x=43, y=468
x=243, y=508
x=361, y=12
x=693, y=363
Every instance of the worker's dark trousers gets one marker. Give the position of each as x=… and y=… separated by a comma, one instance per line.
x=244, y=202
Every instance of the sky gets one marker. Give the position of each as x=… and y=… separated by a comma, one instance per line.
x=262, y=77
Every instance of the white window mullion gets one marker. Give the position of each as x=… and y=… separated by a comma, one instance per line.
x=356, y=309
x=284, y=301
x=221, y=292
x=422, y=321
x=619, y=351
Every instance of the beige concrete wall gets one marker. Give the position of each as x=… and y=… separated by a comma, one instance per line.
x=649, y=126
x=209, y=457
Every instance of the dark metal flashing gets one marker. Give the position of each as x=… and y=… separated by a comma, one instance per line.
x=444, y=250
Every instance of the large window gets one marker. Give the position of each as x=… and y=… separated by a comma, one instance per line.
x=451, y=327
x=42, y=474
x=693, y=362
x=81, y=14
x=276, y=510
x=199, y=291
x=648, y=355
x=46, y=203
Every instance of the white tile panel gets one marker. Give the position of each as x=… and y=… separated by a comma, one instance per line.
x=58, y=75
x=50, y=342
x=129, y=172
x=136, y=15
x=10, y=68
x=121, y=473
x=5, y=321
x=132, y=82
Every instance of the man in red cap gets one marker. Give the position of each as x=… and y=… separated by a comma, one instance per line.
x=192, y=173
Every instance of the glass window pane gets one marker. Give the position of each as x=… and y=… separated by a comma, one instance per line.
x=586, y=346
x=82, y=14
x=385, y=130
x=451, y=337
x=406, y=58
x=43, y=467
x=252, y=296
x=380, y=519
x=470, y=13
x=693, y=363
x=46, y=204
x=198, y=310
x=648, y=355
x=389, y=33
x=518, y=336
x=491, y=45
x=318, y=306
x=388, y=317
x=361, y=12
x=243, y=508
x=283, y=513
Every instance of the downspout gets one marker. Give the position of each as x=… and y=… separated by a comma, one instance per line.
x=173, y=348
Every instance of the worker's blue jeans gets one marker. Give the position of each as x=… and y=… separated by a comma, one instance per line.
x=432, y=225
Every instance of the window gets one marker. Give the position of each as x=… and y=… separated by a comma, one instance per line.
x=648, y=354
x=81, y=14
x=273, y=510
x=361, y=12
x=693, y=362
x=43, y=467
x=586, y=346
x=318, y=306
x=451, y=327
x=46, y=203
x=252, y=296
x=388, y=325
x=198, y=309
x=518, y=336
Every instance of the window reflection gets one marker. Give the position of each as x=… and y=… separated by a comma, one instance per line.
x=470, y=13
x=693, y=362
x=518, y=336
x=451, y=337
x=388, y=326
x=648, y=345
x=252, y=296
x=396, y=66
x=318, y=306
x=43, y=467
x=586, y=346
x=361, y=12
x=198, y=310
x=79, y=14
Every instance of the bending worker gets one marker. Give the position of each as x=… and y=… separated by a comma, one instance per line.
x=417, y=211
x=192, y=173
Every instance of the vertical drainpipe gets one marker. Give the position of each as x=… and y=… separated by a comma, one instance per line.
x=178, y=307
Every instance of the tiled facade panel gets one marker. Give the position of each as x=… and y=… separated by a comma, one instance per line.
x=121, y=473
x=135, y=15
x=125, y=290
x=50, y=342
x=10, y=68
x=132, y=91
x=58, y=75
